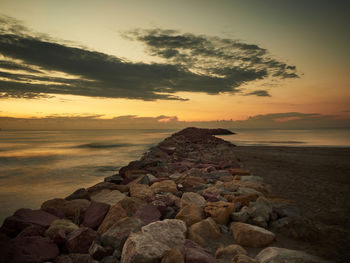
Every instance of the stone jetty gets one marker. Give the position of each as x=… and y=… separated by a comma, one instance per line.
x=188, y=199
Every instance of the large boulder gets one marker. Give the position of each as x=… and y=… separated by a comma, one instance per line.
x=23, y=218
x=190, y=214
x=95, y=214
x=194, y=253
x=79, y=241
x=142, y=191
x=114, y=214
x=32, y=249
x=154, y=241
x=276, y=254
x=116, y=235
x=166, y=186
x=220, y=211
x=204, y=232
x=72, y=209
x=66, y=225
x=192, y=198
x=107, y=196
x=251, y=236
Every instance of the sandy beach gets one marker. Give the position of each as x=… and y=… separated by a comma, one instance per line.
x=316, y=178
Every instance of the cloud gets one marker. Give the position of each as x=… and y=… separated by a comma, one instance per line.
x=260, y=93
x=288, y=120
x=32, y=63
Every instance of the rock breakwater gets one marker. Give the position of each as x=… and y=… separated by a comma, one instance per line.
x=188, y=199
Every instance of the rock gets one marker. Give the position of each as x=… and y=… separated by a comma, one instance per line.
x=251, y=236
x=107, y=196
x=244, y=200
x=261, y=208
x=141, y=248
x=114, y=214
x=101, y=186
x=192, y=182
x=204, y=231
x=81, y=193
x=143, y=179
x=196, y=254
x=220, y=211
x=166, y=186
x=66, y=225
x=190, y=214
x=169, y=213
x=154, y=241
x=32, y=230
x=259, y=221
x=229, y=251
x=276, y=254
x=110, y=259
x=148, y=214
x=135, y=173
x=73, y=209
x=60, y=238
x=161, y=206
x=251, y=178
x=258, y=186
x=32, y=249
x=242, y=258
x=23, y=218
x=116, y=235
x=75, y=258
x=97, y=251
x=95, y=214
x=239, y=171
x=210, y=197
x=132, y=204
x=115, y=179
x=142, y=191
x=192, y=198
x=173, y=256
x=79, y=241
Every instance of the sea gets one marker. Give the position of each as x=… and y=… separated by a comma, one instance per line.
x=37, y=165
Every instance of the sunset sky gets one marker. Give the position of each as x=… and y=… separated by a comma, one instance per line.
x=156, y=62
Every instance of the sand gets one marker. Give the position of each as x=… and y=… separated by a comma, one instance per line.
x=317, y=179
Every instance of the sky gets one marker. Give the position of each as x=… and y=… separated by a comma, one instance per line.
x=160, y=63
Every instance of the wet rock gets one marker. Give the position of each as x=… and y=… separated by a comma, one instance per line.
x=229, y=251
x=81, y=193
x=276, y=254
x=220, y=211
x=32, y=249
x=142, y=191
x=192, y=198
x=173, y=256
x=190, y=214
x=79, y=241
x=107, y=196
x=204, y=231
x=251, y=236
x=166, y=186
x=114, y=214
x=148, y=214
x=66, y=225
x=73, y=209
x=115, y=179
x=116, y=235
x=23, y=218
x=194, y=253
x=95, y=214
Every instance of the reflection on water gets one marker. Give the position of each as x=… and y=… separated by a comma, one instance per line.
x=39, y=165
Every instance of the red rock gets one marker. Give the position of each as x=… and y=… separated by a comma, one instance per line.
x=148, y=214
x=79, y=241
x=23, y=218
x=32, y=249
x=95, y=214
x=60, y=237
x=210, y=197
x=194, y=253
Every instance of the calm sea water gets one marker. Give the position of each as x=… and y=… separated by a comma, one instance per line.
x=38, y=165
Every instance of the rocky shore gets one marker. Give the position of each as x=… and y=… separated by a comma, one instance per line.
x=188, y=199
